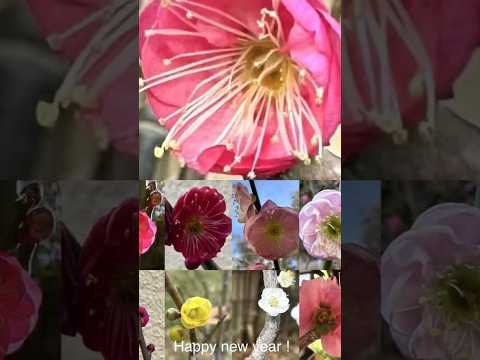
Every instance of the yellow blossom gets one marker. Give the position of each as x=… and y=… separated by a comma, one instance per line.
x=195, y=312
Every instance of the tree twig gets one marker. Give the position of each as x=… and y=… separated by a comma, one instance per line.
x=143, y=346
x=272, y=324
x=177, y=299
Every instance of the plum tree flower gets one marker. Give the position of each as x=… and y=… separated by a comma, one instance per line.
x=430, y=284
x=195, y=312
x=20, y=300
x=146, y=232
x=98, y=37
x=273, y=232
x=143, y=316
x=286, y=278
x=197, y=226
x=295, y=313
x=320, y=225
x=320, y=314
x=274, y=301
x=177, y=333
x=244, y=88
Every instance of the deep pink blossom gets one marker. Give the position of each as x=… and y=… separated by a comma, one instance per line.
x=430, y=284
x=98, y=37
x=143, y=316
x=20, y=300
x=246, y=88
x=448, y=39
x=273, y=232
x=320, y=225
x=197, y=225
x=146, y=232
x=321, y=313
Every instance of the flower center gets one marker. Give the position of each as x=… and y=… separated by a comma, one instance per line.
x=456, y=293
x=324, y=320
x=267, y=67
x=273, y=302
x=331, y=228
x=194, y=226
x=274, y=231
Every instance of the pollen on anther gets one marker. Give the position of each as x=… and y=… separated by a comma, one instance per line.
x=251, y=175
x=158, y=152
x=167, y=62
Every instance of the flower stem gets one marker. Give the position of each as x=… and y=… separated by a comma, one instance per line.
x=258, y=206
x=210, y=265
x=143, y=346
x=177, y=299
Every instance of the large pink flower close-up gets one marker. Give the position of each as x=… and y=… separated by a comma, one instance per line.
x=146, y=232
x=98, y=38
x=320, y=225
x=321, y=313
x=273, y=232
x=421, y=56
x=20, y=300
x=430, y=284
x=197, y=225
x=247, y=88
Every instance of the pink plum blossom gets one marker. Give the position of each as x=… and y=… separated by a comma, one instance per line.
x=430, y=284
x=273, y=232
x=246, y=88
x=417, y=77
x=20, y=300
x=320, y=225
x=321, y=314
x=98, y=38
x=143, y=316
x=146, y=232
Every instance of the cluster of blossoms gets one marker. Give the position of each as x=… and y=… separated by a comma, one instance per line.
x=247, y=88
x=430, y=284
x=197, y=225
x=272, y=231
x=320, y=225
x=99, y=39
x=320, y=314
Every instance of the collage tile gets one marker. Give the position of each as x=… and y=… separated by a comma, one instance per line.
x=239, y=180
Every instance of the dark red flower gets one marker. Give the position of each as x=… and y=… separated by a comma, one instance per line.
x=109, y=287
x=151, y=348
x=143, y=316
x=198, y=227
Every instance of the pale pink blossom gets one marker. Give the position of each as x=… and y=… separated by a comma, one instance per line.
x=246, y=88
x=320, y=225
x=273, y=232
x=430, y=285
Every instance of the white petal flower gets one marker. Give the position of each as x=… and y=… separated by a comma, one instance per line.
x=274, y=301
x=286, y=278
x=295, y=313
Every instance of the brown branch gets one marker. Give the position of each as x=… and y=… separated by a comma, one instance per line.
x=177, y=299
x=143, y=346
x=272, y=324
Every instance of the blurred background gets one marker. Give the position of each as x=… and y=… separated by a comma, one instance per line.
x=31, y=71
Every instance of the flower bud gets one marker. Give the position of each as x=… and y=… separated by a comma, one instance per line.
x=173, y=314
